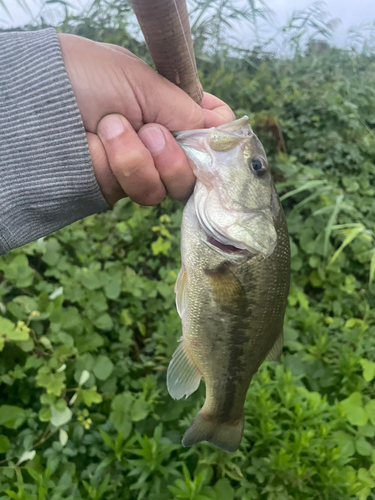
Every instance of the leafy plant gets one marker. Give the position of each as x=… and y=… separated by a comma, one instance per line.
x=88, y=322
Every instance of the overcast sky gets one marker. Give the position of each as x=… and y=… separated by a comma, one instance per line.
x=351, y=13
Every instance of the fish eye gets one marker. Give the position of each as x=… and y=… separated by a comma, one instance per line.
x=258, y=167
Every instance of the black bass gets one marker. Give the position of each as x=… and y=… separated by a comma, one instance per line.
x=232, y=288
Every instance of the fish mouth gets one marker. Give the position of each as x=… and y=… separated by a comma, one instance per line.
x=226, y=249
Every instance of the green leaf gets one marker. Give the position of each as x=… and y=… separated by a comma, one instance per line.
x=45, y=414
x=28, y=304
x=357, y=416
x=331, y=222
x=363, y=447
x=12, y=332
x=47, y=399
x=51, y=258
x=19, y=333
x=372, y=268
x=367, y=430
x=6, y=326
x=224, y=490
x=26, y=345
x=351, y=234
x=126, y=318
x=161, y=245
x=346, y=443
x=365, y=477
x=19, y=271
x=12, y=417
x=46, y=342
x=54, y=383
x=91, y=396
x=139, y=410
x=85, y=375
x=4, y=444
x=104, y=322
x=305, y=187
x=63, y=437
x=59, y=418
x=368, y=368
x=11, y=494
x=91, y=281
x=26, y=455
x=119, y=415
x=353, y=410
x=56, y=293
x=113, y=290
x=107, y=439
x=370, y=409
x=103, y=367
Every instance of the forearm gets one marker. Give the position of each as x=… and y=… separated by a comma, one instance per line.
x=46, y=175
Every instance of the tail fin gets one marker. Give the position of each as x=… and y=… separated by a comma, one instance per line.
x=226, y=436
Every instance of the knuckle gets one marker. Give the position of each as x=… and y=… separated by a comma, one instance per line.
x=197, y=118
x=153, y=196
x=130, y=163
x=179, y=172
x=179, y=168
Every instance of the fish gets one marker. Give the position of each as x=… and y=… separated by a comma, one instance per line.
x=232, y=288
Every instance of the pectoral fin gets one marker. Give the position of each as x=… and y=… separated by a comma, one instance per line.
x=183, y=377
x=181, y=292
x=276, y=350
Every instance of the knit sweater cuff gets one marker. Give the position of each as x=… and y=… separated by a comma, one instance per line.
x=46, y=175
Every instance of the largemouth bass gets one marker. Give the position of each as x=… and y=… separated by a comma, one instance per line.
x=232, y=288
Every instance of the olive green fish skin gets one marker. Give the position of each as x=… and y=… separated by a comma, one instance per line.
x=230, y=337
x=233, y=286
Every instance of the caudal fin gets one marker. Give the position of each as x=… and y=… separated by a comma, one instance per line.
x=226, y=436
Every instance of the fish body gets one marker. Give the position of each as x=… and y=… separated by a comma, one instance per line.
x=232, y=288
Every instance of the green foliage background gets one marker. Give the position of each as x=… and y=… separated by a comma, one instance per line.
x=88, y=322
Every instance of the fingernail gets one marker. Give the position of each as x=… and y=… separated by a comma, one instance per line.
x=153, y=138
x=111, y=127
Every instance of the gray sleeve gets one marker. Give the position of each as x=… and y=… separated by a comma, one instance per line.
x=46, y=175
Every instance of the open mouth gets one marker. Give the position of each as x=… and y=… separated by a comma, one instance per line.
x=225, y=248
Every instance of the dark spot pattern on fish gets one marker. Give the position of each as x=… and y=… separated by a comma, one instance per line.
x=239, y=341
x=231, y=297
x=227, y=291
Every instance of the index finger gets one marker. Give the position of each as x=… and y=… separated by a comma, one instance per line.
x=215, y=111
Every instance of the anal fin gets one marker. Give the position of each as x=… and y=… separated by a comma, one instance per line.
x=183, y=377
x=276, y=350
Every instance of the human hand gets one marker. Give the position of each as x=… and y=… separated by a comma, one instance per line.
x=128, y=111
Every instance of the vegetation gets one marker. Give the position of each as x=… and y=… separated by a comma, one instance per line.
x=88, y=322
